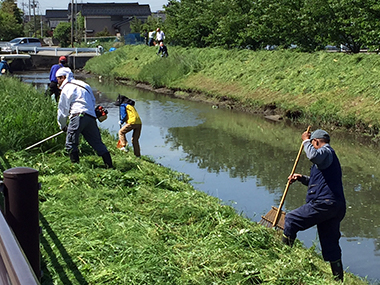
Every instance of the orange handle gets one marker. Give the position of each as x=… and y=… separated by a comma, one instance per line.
x=288, y=184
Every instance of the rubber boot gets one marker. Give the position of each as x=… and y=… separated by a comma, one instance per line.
x=287, y=240
x=107, y=160
x=337, y=270
x=74, y=157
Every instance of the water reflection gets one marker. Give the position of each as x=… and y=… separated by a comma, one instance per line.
x=245, y=160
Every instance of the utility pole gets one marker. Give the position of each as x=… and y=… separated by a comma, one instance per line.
x=34, y=17
x=72, y=23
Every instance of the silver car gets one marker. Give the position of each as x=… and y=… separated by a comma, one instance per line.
x=21, y=42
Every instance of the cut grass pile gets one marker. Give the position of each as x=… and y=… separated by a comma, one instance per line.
x=142, y=223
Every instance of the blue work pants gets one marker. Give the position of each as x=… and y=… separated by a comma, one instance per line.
x=327, y=215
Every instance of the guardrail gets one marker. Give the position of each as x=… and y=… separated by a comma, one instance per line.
x=14, y=268
x=35, y=50
x=19, y=227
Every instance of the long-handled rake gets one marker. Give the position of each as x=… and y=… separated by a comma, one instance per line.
x=276, y=217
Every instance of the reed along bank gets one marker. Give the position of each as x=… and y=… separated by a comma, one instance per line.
x=139, y=223
x=329, y=89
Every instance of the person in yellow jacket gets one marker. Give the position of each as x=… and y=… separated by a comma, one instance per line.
x=131, y=118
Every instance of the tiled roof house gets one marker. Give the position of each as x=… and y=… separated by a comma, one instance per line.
x=115, y=17
x=56, y=16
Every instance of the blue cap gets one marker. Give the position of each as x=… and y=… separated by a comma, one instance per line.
x=320, y=134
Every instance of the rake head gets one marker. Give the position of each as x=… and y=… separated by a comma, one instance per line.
x=268, y=219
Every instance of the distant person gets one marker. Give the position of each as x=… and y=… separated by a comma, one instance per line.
x=131, y=118
x=325, y=203
x=163, y=49
x=160, y=36
x=53, y=86
x=100, y=49
x=77, y=107
x=151, y=38
x=4, y=67
x=145, y=35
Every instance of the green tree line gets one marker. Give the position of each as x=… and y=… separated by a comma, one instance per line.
x=10, y=20
x=308, y=24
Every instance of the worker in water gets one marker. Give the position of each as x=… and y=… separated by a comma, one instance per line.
x=325, y=202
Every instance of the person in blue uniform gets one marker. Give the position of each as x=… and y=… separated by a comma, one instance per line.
x=4, y=67
x=325, y=202
x=53, y=86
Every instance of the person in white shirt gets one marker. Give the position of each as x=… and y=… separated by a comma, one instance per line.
x=160, y=36
x=77, y=105
x=151, y=38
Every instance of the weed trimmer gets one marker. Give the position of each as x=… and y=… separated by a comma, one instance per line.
x=44, y=140
x=276, y=217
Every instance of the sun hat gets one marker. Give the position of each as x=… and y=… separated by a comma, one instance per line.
x=64, y=71
x=320, y=134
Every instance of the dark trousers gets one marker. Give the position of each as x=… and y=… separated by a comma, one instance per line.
x=87, y=126
x=53, y=89
x=327, y=215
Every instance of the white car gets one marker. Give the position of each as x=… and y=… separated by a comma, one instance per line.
x=21, y=42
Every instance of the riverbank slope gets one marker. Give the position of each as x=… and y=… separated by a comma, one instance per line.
x=139, y=223
x=334, y=90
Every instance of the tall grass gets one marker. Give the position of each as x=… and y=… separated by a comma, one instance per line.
x=320, y=87
x=28, y=116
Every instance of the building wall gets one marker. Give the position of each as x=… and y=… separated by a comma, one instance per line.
x=98, y=23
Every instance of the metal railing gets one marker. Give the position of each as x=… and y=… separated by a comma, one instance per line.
x=35, y=50
x=14, y=267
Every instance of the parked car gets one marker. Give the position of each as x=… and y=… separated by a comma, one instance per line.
x=21, y=42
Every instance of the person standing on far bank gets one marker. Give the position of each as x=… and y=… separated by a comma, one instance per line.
x=151, y=38
x=77, y=104
x=160, y=36
x=325, y=202
x=53, y=86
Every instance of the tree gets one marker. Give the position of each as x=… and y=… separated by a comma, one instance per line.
x=136, y=26
x=63, y=34
x=104, y=33
x=10, y=20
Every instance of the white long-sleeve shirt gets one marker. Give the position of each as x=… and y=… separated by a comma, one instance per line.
x=75, y=99
x=160, y=36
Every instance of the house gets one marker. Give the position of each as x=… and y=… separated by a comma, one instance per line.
x=115, y=17
x=56, y=16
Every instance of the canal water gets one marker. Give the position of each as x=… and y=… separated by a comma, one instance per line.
x=245, y=160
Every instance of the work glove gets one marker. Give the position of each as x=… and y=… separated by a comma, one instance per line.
x=64, y=129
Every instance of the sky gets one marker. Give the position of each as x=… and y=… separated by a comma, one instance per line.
x=42, y=5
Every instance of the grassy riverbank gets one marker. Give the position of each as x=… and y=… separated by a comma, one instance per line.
x=140, y=223
x=334, y=89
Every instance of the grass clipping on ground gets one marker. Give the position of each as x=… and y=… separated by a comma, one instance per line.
x=142, y=223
